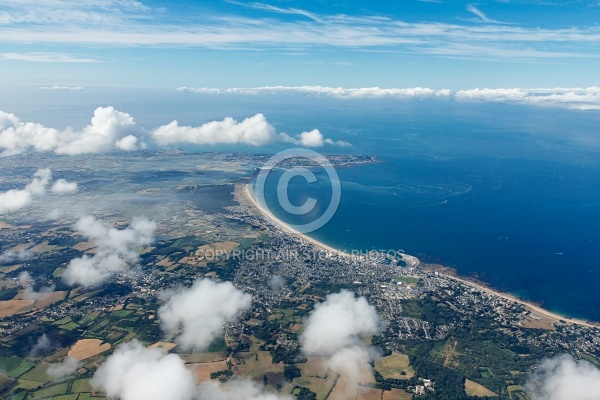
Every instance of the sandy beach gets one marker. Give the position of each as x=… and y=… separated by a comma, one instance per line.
x=247, y=193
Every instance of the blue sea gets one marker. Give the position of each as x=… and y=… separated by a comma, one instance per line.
x=509, y=195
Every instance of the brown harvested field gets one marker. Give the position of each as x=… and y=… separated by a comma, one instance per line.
x=393, y=365
x=316, y=377
x=202, y=371
x=12, y=307
x=537, y=322
x=215, y=250
x=10, y=268
x=84, y=246
x=349, y=388
x=396, y=394
x=4, y=225
x=257, y=363
x=168, y=346
x=49, y=299
x=366, y=393
x=204, y=357
x=165, y=263
x=86, y=348
x=42, y=248
x=477, y=390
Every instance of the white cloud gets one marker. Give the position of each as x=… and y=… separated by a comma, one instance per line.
x=117, y=23
x=26, y=280
x=334, y=329
x=115, y=250
x=42, y=347
x=13, y=257
x=564, y=378
x=17, y=199
x=255, y=131
x=74, y=88
x=343, y=93
x=133, y=372
x=61, y=370
x=573, y=98
x=195, y=316
x=46, y=58
x=338, y=323
x=237, y=390
x=61, y=186
x=109, y=129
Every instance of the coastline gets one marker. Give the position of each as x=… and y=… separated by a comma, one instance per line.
x=247, y=193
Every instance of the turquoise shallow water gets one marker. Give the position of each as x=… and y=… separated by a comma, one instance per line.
x=518, y=209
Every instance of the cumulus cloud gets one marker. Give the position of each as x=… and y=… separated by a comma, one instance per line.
x=338, y=323
x=61, y=370
x=115, y=250
x=108, y=130
x=17, y=199
x=237, y=390
x=195, y=316
x=564, y=378
x=61, y=186
x=13, y=257
x=334, y=329
x=133, y=372
x=255, y=131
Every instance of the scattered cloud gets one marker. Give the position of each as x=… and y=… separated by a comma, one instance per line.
x=118, y=23
x=195, y=316
x=564, y=378
x=61, y=186
x=42, y=347
x=61, y=370
x=109, y=130
x=12, y=256
x=115, y=250
x=276, y=282
x=46, y=58
x=344, y=93
x=27, y=281
x=572, y=98
x=17, y=199
x=334, y=329
x=237, y=390
x=73, y=88
x=134, y=372
x=479, y=14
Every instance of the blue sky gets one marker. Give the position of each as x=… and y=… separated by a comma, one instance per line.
x=435, y=44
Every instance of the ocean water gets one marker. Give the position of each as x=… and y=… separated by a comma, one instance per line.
x=507, y=194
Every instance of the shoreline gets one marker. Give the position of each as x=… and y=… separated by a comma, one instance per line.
x=248, y=194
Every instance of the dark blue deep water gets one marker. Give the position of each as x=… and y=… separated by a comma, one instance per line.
x=507, y=194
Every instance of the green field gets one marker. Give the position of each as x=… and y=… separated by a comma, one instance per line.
x=14, y=367
x=407, y=279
